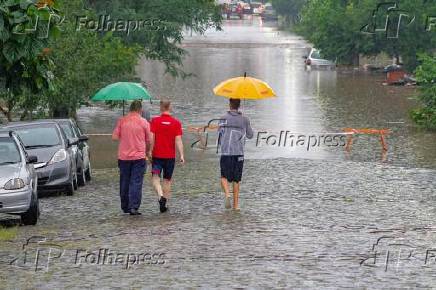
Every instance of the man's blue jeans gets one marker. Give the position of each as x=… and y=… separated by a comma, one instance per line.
x=131, y=179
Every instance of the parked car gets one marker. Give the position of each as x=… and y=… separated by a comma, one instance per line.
x=233, y=10
x=56, y=166
x=81, y=150
x=18, y=180
x=315, y=59
x=269, y=13
x=256, y=8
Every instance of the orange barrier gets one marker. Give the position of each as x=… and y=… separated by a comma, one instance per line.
x=193, y=129
x=381, y=132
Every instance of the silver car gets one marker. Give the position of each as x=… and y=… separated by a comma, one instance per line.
x=56, y=166
x=18, y=179
x=315, y=59
x=81, y=150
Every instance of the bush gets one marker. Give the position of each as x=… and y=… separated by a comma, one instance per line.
x=426, y=77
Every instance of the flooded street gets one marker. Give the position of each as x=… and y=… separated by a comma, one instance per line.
x=313, y=217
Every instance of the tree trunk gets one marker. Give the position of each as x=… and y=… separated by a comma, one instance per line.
x=6, y=113
x=60, y=112
x=355, y=59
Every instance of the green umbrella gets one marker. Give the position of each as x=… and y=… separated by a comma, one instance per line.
x=122, y=91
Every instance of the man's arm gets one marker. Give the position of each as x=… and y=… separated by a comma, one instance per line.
x=117, y=131
x=179, y=145
x=150, y=151
x=148, y=140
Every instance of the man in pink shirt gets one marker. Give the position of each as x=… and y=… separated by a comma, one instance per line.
x=133, y=133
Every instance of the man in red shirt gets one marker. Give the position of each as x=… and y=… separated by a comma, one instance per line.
x=133, y=133
x=166, y=135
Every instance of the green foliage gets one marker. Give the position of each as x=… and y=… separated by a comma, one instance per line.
x=58, y=69
x=25, y=69
x=172, y=17
x=289, y=9
x=426, y=77
x=335, y=27
x=86, y=61
x=8, y=234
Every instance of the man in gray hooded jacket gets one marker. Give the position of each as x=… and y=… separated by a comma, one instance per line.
x=234, y=129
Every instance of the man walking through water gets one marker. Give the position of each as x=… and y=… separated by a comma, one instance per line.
x=234, y=128
x=133, y=133
x=166, y=135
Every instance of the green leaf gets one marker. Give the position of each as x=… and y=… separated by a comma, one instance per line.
x=9, y=52
x=55, y=32
x=24, y=4
x=4, y=35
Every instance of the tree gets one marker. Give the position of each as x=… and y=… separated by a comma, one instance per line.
x=25, y=66
x=334, y=27
x=167, y=20
x=85, y=61
x=344, y=29
x=289, y=9
x=426, y=77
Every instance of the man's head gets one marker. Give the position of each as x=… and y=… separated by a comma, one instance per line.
x=136, y=106
x=165, y=105
x=234, y=104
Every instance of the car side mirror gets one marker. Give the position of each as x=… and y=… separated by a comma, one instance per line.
x=304, y=56
x=72, y=142
x=83, y=138
x=32, y=159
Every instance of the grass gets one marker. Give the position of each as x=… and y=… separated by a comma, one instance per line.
x=7, y=234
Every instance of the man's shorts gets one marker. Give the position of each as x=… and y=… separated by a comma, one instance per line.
x=231, y=167
x=164, y=167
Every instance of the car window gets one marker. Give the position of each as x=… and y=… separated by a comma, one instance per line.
x=39, y=136
x=68, y=130
x=9, y=152
x=316, y=54
x=77, y=130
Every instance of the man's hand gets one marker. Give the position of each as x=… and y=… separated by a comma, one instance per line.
x=182, y=159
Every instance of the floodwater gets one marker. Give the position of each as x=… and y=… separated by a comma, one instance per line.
x=314, y=217
x=309, y=102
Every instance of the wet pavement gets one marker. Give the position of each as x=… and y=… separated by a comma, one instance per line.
x=317, y=218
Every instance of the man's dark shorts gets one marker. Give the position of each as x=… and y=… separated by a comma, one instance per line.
x=164, y=167
x=231, y=167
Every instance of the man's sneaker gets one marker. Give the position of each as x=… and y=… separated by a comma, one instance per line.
x=134, y=212
x=228, y=204
x=162, y=204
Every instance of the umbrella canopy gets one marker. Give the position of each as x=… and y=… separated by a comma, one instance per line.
x=244, y=88
x=122, y=91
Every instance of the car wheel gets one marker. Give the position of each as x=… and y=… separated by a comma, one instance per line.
x=88, y=173
x=69, y=189
x=30, y=217
x=75, y=182
x=81, y=178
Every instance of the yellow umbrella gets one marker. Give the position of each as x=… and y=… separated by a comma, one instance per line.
x=244, y=88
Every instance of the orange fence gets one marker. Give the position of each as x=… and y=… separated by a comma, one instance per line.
x=381, y=132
